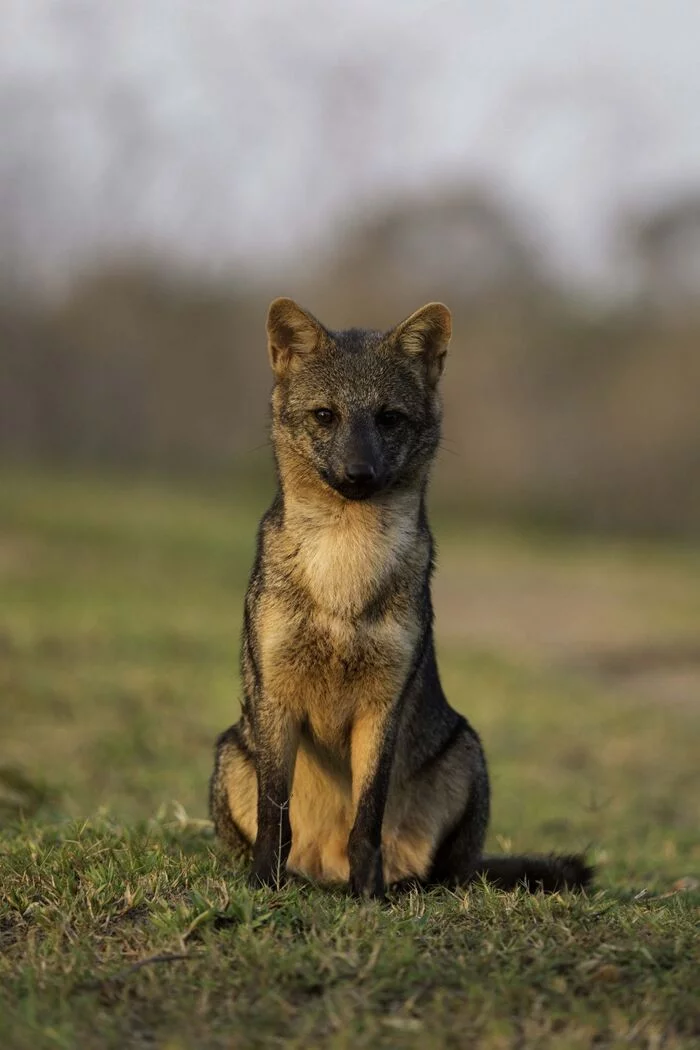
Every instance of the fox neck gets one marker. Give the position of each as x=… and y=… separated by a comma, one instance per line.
x=345, y=550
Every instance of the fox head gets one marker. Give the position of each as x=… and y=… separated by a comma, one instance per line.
x=356, y=410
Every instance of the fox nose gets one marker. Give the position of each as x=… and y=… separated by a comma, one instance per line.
x=360, y=472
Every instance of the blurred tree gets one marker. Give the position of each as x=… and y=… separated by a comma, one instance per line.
x=666, y=243
x=460, y=245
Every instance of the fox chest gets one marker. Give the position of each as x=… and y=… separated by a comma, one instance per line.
x=327, y=669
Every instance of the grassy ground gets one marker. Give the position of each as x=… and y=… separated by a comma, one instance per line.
x=123, y=924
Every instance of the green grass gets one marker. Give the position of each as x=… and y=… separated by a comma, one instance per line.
x=122, y=923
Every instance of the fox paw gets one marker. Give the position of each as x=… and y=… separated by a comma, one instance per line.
x=366, y=872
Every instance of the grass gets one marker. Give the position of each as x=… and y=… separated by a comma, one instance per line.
x=122, y=923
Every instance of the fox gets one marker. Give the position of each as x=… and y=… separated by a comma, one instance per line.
x=348, y=765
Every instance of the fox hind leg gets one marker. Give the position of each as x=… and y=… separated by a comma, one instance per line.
x=233, y=791
x=459, y=859
x=436, y=823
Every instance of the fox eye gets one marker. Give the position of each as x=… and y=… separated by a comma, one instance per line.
x=390, y=417
x=324, y=416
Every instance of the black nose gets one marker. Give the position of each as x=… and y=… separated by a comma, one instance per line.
x=360, y=472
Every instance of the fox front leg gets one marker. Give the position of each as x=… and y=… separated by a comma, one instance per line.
x=371, y=752
x=276, y=742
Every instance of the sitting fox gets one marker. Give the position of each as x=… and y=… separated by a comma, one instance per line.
x=348, y=764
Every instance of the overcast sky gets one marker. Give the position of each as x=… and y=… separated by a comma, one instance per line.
x=244, y=132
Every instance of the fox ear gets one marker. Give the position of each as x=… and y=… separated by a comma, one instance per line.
x=291, y=331
x=426, y=334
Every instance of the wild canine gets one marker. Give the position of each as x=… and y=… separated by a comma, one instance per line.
x=348, y=764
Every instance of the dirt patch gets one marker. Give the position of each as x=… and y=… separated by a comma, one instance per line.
x=635, y=625
x=16, y=554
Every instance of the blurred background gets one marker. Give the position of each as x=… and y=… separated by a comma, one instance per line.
x=166, y=169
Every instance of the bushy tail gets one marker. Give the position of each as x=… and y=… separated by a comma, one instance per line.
x=549, y=873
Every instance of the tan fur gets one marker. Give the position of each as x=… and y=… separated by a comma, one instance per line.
x=347, y=552
x=331, y=671
x=305, y=652
x=418, y=815
x=241, y=788
x=351, y=549
x=428, y=332
x=291, y=333
x=348, y=764
x=321, y=817
x=322, y=805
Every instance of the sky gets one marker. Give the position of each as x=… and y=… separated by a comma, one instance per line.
x=250, y=134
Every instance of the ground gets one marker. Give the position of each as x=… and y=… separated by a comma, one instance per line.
x=122, y=923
